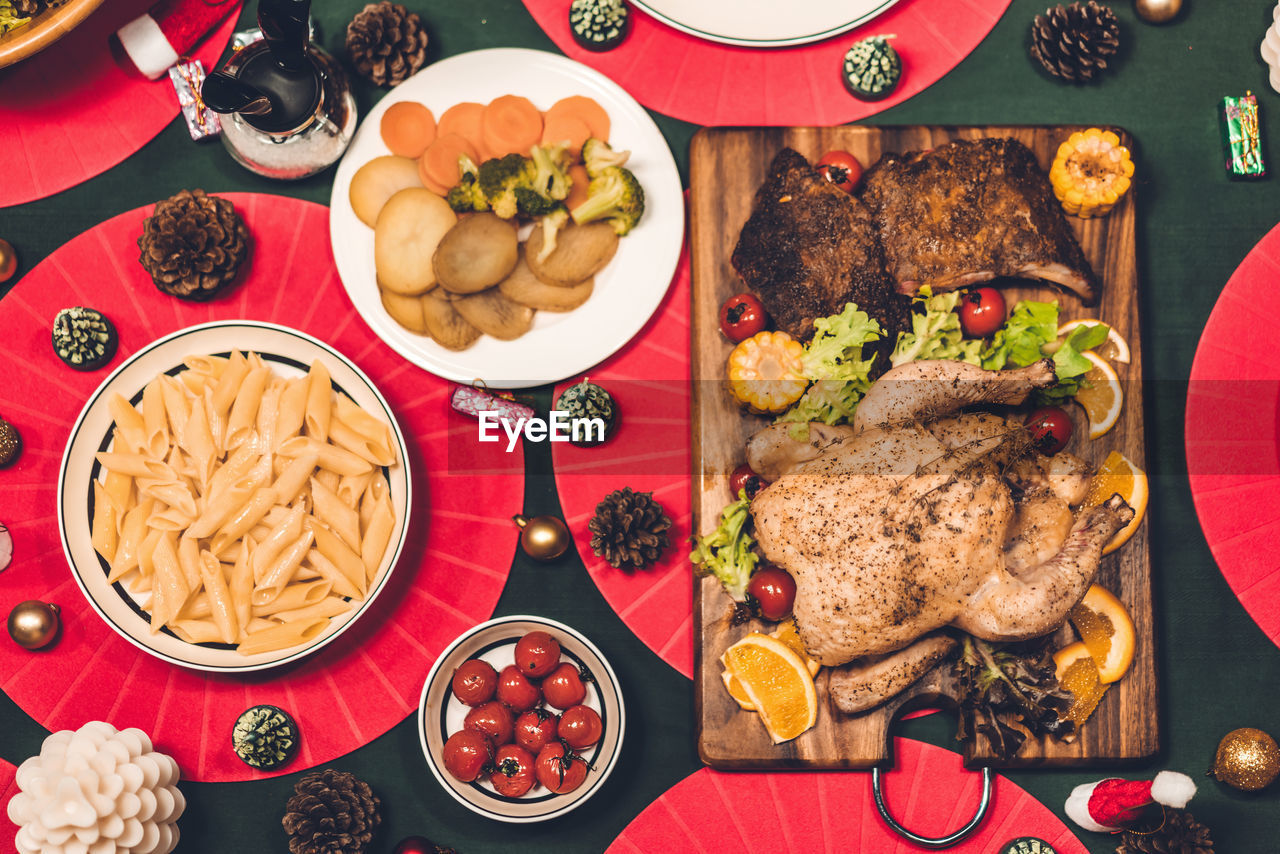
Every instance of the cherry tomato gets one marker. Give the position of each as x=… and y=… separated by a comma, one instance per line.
x=535, y=729
x=494, y=720
x=1050, y=428
x=466, y=753
x=842, y=169
x=559, y=771
x=744, y=478
x=537, y=654
x=474, y=682
x=513, y=773
x=981, y=312
x=564, y=688
x=580, y=726
x=517, y=691
x=741, y=317
x=774, y=591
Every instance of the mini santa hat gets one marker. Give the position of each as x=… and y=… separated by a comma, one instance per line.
x=169, y=30
x=1111, y=804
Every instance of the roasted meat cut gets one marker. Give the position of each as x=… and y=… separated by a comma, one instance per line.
x=970, y=211
x=809, y=248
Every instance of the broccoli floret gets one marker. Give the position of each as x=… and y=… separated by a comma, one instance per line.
x=532, y=204
x=465, y=196
x=615, y=196
x=551, y=170
x=598, y=156
x=499, y=178
x=551, y=225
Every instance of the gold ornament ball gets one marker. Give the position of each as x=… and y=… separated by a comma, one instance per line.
x=1248, y=759
x=543, y=538
x=1157, y=11
x=8, y=261
x=33, y=624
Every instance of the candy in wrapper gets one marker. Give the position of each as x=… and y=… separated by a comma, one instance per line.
x=188, y=77
x=470, y=400
x=1242, y=137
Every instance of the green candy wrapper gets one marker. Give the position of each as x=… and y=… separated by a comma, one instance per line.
x=1242, y=137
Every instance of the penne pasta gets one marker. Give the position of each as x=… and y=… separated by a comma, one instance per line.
x=131, y=431
x=135, y=465
x=280, y=571
x=289, y=483
x=377, y=533
x=104, y=534
x=330, y=606
x=326, y=569
x=155, y=422
x=197, y=631
x=352, y=487
x=329, y=509
x=319, y=409
x=244, y=519
x=169, y=590
x=244, y=409
x=283, y=535
x=330, y=457
x=189, y=562
x=176, y=407
x=340, y=555
x=292, y=411
x=294, y=596
x=282, y=636
x=220, y=602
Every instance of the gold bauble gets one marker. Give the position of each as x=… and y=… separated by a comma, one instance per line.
x=8, y=261
x=1248, y=759
x=1157, y=11
x=543, y=537
x=33, y=624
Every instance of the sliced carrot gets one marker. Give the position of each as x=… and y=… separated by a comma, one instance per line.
x=585, y=110
x=510, y=125
x=568, y=129
x=464, y=120
x=408, y=128
x=438, y=166
x=578, y=189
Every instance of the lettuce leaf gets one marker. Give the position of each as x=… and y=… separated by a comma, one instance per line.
x=835, y=352
x=1069, y=365
x=935, y=332
x=828, y=401
x=1031, y=325
x=726, y=553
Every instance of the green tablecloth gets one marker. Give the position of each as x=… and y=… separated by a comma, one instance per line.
x=1217, y=669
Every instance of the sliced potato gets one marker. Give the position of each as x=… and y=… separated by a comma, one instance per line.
x=445, y=325
x=493, y=314
x=410, y=226
x=477, y=253
x=581, y=252
x=523, y=287
x=377, y=181
x=406, y=311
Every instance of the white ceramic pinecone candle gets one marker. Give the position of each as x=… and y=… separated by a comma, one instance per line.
x=97, y=790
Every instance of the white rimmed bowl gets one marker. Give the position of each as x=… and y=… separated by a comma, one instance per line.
x=289, y=353
x=440, y=714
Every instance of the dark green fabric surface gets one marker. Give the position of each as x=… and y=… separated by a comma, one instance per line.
x=1217, y=669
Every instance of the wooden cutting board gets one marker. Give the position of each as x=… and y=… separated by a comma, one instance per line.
x=726, y=166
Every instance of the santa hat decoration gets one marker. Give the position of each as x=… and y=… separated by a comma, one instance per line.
x=1111, y=804
x=169, y=30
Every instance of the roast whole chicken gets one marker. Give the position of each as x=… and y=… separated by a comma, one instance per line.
x=917, y=518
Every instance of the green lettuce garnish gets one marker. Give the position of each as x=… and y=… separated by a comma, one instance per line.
x=835, y=352
x=726, y=553
x=935, y=332
x=828, y=401
x=1030, y=326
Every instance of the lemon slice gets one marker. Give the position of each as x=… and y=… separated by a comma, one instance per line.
x=1078, y=674
x=777, y=682
x=1107, y=632
x=1119, y=476
x=1115, y=349
x=1100, y=395
x=786, y=632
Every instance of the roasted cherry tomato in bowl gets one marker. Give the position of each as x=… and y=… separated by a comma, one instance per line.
x=517, y=691
x=981, y=312
x=742, y=316
x=492, y=719
x=564, y=688
x=841, y=168
x=558, y=770
x=580, y=726
x=474, y=682
x=536, y=728
x=513, y=773
x=1050, y=429
x=537, y=654
x=744, y=478
x=774, y=591
x=466, y=753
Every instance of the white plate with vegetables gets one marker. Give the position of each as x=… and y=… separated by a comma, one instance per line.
x=764, y=23
x=627, y=291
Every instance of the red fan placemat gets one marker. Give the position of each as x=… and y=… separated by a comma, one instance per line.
x=929, y=792
x=1233, y=435
x=449, y=577
x=715, y=84
x=649, y=451
x=72, y=112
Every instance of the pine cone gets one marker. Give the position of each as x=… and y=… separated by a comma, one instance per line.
x=1180, y=834
x=331, y=812
x=629, y=529
x=193, y=245
x=386, y=43
x=1074, y=42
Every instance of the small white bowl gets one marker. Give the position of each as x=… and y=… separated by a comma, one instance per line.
x=440, y=714
x=289, y=352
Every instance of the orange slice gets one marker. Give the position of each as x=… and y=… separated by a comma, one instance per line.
x=1119, y=476
x=1107, y=632
x=786, y=632
x=1100, y=395
x=777, y=682
x=1078, y=674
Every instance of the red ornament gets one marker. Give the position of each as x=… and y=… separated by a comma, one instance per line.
x=415, y=845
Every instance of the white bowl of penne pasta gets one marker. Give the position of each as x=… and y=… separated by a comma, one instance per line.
x=234, y=496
